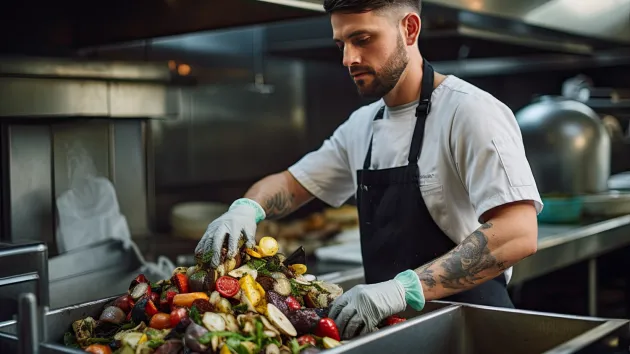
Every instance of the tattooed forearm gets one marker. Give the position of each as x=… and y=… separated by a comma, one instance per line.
x=461, y=268
x=279, y=194
x=467, y=260
x=279, y=204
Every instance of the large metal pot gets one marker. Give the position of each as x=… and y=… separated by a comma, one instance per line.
x=567, y=146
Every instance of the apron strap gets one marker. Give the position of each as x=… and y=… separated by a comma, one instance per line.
x=422, y=111
x=368, y=157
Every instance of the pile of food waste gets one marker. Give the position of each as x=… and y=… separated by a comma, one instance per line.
x=257, y=302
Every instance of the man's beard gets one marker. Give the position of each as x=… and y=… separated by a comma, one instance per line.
x=386, y=80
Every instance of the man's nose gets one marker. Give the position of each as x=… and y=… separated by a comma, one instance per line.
x=350, y=56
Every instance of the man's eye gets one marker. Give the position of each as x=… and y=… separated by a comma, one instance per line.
x=363, y=41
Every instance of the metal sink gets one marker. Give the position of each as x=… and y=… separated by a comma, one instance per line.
x=463, y=329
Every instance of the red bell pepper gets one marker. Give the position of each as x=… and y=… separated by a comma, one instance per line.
x=326, y=327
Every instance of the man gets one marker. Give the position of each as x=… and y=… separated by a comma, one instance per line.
x=447, y=223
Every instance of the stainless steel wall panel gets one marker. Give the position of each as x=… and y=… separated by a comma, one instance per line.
x=46, y=97
x=31, y=184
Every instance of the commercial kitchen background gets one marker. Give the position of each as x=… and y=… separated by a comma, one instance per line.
x=248, y=87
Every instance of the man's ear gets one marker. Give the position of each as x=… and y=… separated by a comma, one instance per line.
x=411, y=25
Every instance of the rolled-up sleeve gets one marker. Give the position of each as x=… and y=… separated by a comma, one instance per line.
x=488, y=152
x=326, y=172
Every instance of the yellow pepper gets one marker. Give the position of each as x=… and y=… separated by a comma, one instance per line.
x=254, y=293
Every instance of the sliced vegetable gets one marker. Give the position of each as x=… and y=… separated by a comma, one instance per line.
x=98, y=349
x=138, y=313
x=268, y=246
x=282, y=286
x=242, y=270
x=191, y=339
x=224, y=306
x=310, y=277
x=394, y=319
x=125, y=303
x=227, y=286
x=151, y=309
x=177, y=315
x=213, y=322
x=326, y=327
x=307, y=339
x=155, y=297
x=140, y=290
x=180, y=270
x=253, y=253
x=280, y=321
x=186, y=300
x=112, y=314
x=160, y=321
x=181, y=282
x=202, y=305
x=215, y=297
x=298, y=269
x=139, y=279
x=292, y=303
x=330, y=343
x=197, y=280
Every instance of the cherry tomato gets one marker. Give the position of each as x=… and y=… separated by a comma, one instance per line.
x=227, y=286
x=160, y=321
x=98, y=349
x=177, y=315
x=306, y=339
x=293, y=303
x=155, y=298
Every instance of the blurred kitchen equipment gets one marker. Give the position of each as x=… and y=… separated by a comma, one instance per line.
x=561, y=210
x=582, y=88
x=614, y=129
x=620, y=181
x=608, y=204
x=190, y=220
x=567, y=146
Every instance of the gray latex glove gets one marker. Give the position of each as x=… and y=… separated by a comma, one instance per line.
x=239, y=221
x=362, y=308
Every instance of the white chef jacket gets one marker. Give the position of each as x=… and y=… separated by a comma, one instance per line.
x=472, y=157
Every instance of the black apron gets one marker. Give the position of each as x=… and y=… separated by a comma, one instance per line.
x=397, y=231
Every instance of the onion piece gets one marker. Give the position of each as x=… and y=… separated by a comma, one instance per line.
x=213, y=322
x=309, y=277
x=112, y=314
x=139, y=290
x=280, y=321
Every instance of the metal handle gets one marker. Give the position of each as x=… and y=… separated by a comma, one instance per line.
x=28, y=324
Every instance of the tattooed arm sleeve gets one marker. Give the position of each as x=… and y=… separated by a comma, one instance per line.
x=279, y=194
x=506, y=238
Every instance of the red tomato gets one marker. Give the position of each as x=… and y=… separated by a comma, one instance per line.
x=98, y=349
x=177, y=315
x=160, y=321
x=306, y=339
x=227, y=286
x=293, y=303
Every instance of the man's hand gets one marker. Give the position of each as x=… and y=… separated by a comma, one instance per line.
x=362, y=308
x=239, y=221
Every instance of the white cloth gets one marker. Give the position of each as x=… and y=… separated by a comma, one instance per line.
x=88, y=213
x=472, y=160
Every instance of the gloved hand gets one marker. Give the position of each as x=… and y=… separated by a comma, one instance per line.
x=239, y=221
x=363, y=307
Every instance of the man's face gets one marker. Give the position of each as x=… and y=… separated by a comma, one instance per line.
x=373, y=50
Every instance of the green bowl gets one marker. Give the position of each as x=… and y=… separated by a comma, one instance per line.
x=565, y=210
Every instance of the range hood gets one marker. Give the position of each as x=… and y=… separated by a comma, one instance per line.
x=607, y=20
x=58, y=88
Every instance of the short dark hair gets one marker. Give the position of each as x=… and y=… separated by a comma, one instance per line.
x=359, y=6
